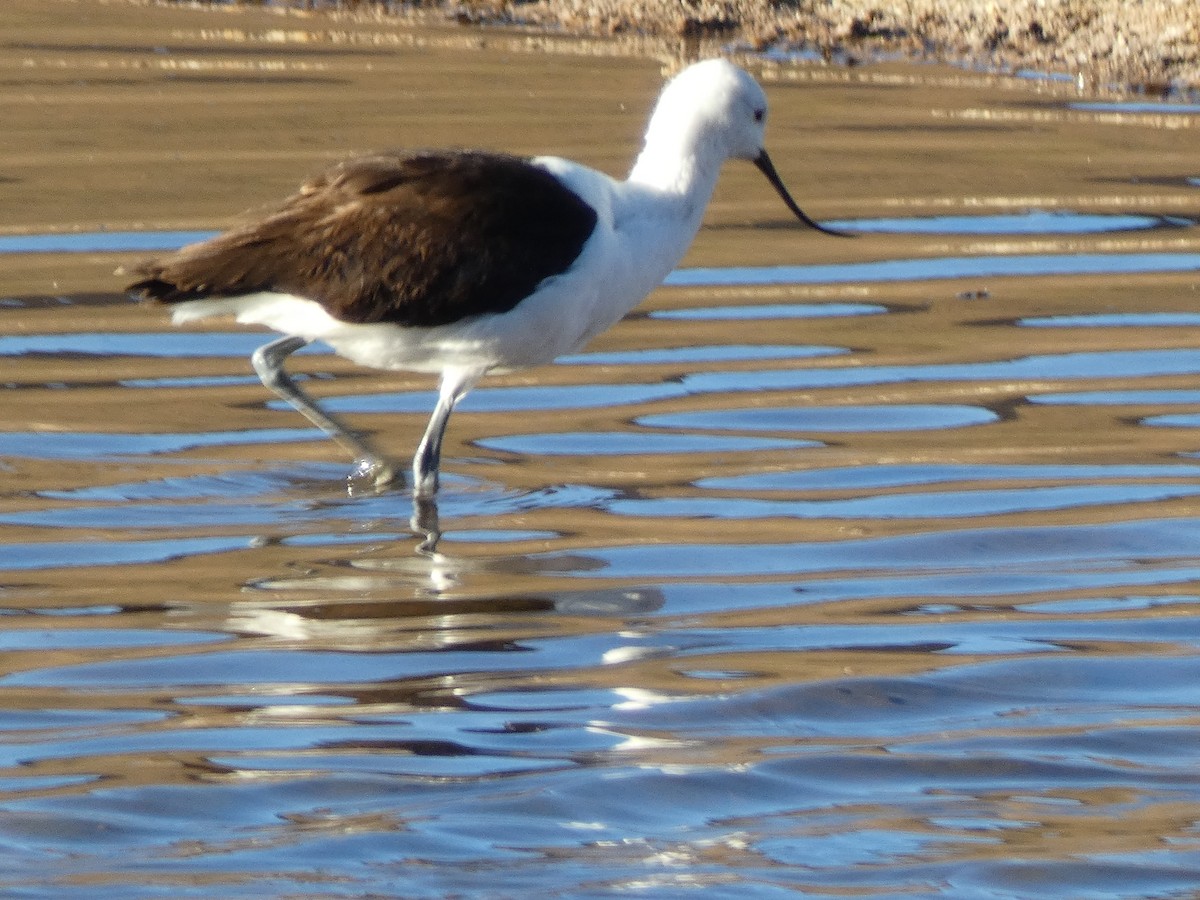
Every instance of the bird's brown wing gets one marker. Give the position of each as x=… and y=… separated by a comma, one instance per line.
x=410, y=238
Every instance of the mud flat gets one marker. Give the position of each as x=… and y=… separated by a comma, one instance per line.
x=874, y=562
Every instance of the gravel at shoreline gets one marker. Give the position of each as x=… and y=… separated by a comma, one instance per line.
x=1152, y=46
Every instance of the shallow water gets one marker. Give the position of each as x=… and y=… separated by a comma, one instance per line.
x=877, y=574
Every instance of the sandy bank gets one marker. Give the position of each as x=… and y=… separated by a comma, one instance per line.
x=1152, y=45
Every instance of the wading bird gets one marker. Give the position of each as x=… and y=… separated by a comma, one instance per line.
x=463, y=263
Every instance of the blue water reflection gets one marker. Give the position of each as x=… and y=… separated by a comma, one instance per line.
x=963, y=620
x=940, y=268
x=101, y=241
x=1028, y=223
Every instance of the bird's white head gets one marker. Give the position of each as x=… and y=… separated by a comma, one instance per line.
x=710, y=112
x=711, y=108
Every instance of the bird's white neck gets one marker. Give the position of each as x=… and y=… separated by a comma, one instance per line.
x=678, y=161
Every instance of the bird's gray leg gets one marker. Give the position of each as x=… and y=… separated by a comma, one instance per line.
x=454, y=387
x=424, y=523
x=429, y=452
x=268, y=363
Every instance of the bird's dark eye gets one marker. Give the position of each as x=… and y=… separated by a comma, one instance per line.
x=759, y=115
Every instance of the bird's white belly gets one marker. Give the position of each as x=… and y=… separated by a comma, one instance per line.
x=559, y=317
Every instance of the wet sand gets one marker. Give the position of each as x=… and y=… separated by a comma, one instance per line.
x=133, y=117
x=878, y=585
x=214, y=111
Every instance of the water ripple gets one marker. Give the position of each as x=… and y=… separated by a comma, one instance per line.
x=862, y=600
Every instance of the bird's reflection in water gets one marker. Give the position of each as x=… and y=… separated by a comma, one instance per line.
x=403, y=597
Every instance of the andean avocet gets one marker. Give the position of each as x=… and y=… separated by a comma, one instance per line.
x=463, y=263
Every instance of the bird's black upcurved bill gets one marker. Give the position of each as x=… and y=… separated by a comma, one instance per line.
x=763, y=161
